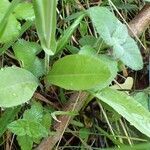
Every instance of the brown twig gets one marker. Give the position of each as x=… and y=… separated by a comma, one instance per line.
x=42, y=98
x=141, y=21
x=49, y=143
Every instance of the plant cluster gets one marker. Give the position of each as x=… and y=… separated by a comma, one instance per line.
x=44, y=64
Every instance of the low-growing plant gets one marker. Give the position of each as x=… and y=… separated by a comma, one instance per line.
x=90, y=67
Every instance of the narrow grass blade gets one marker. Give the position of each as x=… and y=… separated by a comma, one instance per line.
x=45, y=19
x=68, y=33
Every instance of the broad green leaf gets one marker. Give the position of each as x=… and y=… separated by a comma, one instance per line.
x=142, y=98
x=104, y=22
x=94, y=42
x=78, y=72
x=7, y=117
x=45, y=20
x=112, y=65
x=24, y=127
x=25, y=142
x=38, y=114
x=17, y=86
x=47, y=121
x=30, y=49
x=7, y=14
x=147, y=0
x=24, y=27
x=126, y=106
x=87, y=40
x=129, y=54
x=26, y=53
x=35, y=113
x=115, y=34
x=24, y=11
x=84, y=134
x=87, y=50
x=12, y=26
x=72, y=49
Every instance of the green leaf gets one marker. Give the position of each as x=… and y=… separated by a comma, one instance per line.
x=7, y=117
x=35, y=113
x=72, y=49
x=112, y=65
x=24, y=127
x=11, y=27
x=88, y=40
x=115, y=34
x=84, y=134
x=17, y=86
x=25, y=142
x=77, y=123
x=129, y=54
x=45, y=20
x=87, y=50
x=24, y=11
x=64, y=39
x=24, y=27
x=47, y=121
x=26, y=53
x=126, y=106
x=94, y=42
x=83, y=28
x=142, y=98
x=78, y=72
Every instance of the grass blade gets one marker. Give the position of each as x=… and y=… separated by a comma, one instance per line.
x=68, y=33
x=45, y=19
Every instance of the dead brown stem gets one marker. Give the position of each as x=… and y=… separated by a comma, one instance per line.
x=141, y=21
x=59, y=127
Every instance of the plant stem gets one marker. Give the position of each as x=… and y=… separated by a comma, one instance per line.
x=47, y=59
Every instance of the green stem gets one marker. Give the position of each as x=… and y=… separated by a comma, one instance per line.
x=47, y=59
